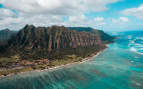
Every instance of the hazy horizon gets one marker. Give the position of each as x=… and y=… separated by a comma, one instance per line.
x=108, y=31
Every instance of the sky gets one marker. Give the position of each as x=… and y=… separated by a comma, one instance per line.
x=107, y=15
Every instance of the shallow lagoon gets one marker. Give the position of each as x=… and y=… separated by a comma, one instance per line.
x=118, y=67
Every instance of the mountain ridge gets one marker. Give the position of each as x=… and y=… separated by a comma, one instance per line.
x=32, y=41
x=45, y=47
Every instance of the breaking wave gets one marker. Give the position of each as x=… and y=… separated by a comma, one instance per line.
x=136, y=45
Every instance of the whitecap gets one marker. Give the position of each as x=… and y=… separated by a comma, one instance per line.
x=140, y=53
x=133, y=49
x=138, y=84
x=132, y=42
x=139, y=45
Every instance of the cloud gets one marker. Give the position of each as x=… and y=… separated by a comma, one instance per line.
x=38, y=20
x=97, y=5
x=99, y=22
x=57, y=6
x=6, y=13
x=77, y=18
x=50, y=12
x=120, y=20
x=124, y=19
x=99, y=19
x=138, y=12
x=82, y=20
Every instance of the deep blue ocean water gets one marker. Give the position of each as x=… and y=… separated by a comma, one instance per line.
x=120, y=66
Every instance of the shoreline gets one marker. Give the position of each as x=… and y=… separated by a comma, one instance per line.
x=57, y=67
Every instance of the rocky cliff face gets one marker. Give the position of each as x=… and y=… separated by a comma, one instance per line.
x=49, y=42
x=55, y=37
x=101, y=34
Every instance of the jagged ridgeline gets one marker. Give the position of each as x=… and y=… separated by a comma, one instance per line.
x=5, y=35
x=55, y=42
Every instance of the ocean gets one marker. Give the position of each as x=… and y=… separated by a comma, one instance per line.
x=120, y=66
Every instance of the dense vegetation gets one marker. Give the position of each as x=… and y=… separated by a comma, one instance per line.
x=104, y=37
x=43, y=47
x=6, y=35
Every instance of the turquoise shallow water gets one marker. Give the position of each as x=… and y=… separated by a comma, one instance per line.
x=119, y=67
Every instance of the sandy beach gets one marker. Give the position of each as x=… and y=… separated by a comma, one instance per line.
x=57, y=67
